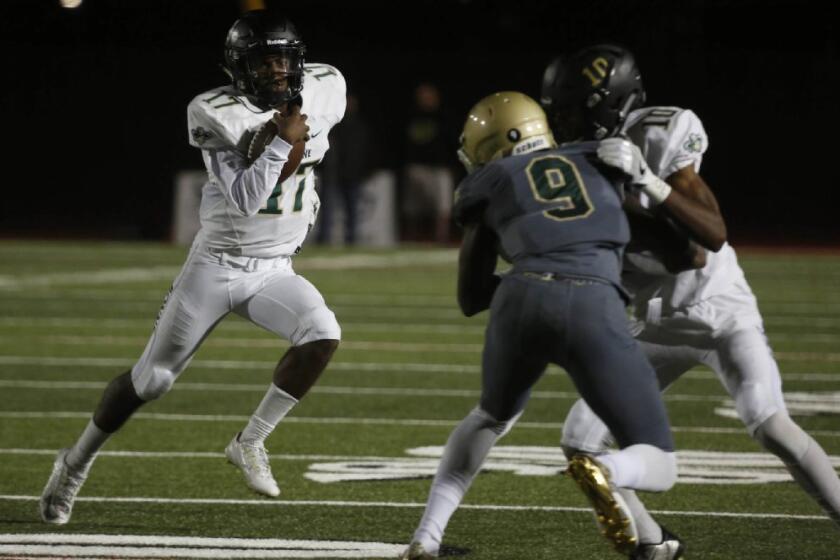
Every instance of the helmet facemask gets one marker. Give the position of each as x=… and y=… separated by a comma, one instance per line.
x=264, y=57
x=275, y=76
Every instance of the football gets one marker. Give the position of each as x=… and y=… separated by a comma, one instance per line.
x=266, y=134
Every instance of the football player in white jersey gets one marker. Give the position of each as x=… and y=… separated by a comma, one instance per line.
x=252, y=222
x=691, y=308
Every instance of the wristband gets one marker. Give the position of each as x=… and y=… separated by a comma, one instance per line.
x=657, y=190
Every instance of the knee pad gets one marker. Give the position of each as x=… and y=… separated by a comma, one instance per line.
x=152, y=382
x=319, y=323
x=783, y=437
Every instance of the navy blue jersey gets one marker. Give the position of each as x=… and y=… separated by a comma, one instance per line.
x=553, y=211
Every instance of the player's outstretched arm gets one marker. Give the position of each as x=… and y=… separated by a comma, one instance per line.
x=476, y=267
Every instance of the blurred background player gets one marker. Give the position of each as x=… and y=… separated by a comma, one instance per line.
x=252, y=224
x=428, y=182
x=345, y=169
x=559, y=220
x=706, y=316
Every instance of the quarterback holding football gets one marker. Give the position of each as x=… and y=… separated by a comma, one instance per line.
x=260, y=138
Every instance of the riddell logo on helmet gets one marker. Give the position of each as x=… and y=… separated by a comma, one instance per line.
x=276, y=41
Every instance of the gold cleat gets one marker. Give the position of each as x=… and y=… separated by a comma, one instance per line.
x=610, y=510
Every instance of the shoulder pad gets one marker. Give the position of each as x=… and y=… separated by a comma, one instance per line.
x=219, y=118
x=324, y=92
x=671, y=137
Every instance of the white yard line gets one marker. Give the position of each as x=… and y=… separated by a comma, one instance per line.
x=133, y=275
x=212, y=455
x=411, y=422
x=346, y=344
x=121, y=308
x=449, y=314
x=156, y=295
x=409, y=367
x=163, y=546
x=244, y=342
x=326, y=389
x=389, y=367
x=412, y=505
x=234, y=325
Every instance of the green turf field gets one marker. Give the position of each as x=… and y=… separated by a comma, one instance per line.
x=354, y=459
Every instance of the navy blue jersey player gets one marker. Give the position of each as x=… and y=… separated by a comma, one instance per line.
x=556, y=215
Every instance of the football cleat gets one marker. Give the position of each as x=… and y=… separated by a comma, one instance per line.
x=60, y=492
x=415, y=551
x=671, y=548
x=611, y=512
x=252, y=460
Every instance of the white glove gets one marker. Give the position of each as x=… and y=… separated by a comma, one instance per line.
x=626, y=156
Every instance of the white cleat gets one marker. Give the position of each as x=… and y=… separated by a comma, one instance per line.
x=415, y=551
x=611, y=512
x=60, y=491
x=671, y=548
x=252, y=460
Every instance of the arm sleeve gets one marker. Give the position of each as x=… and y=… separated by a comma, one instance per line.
x=245, y=187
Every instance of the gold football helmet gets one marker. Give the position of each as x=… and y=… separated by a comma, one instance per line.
x=503, y=124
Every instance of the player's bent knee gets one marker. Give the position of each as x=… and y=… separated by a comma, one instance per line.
x=319, y=324
x=500, y=427
x=660, y=471
x=153, y=383
x=669, y=471
x=324, y=349
x=781, y=436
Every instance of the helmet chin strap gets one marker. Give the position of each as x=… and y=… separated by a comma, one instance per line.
x=627, y=107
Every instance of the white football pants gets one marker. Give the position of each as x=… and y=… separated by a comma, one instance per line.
x=211, y=284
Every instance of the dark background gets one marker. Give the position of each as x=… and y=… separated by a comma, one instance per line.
x=93, y=100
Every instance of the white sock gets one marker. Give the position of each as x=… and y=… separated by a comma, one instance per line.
x=82, y=454
x=465, y=451
x=818, y=478
x=649, y=530
x=275, y=405
x=804, y=458
x=641, y=467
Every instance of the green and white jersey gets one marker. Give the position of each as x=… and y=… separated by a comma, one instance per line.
x=244, y=209
x=672, y=138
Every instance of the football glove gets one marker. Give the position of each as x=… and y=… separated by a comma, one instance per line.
x=626, y=156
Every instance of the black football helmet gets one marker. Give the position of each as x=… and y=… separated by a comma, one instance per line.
x=588, y=95
x=252, y=38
